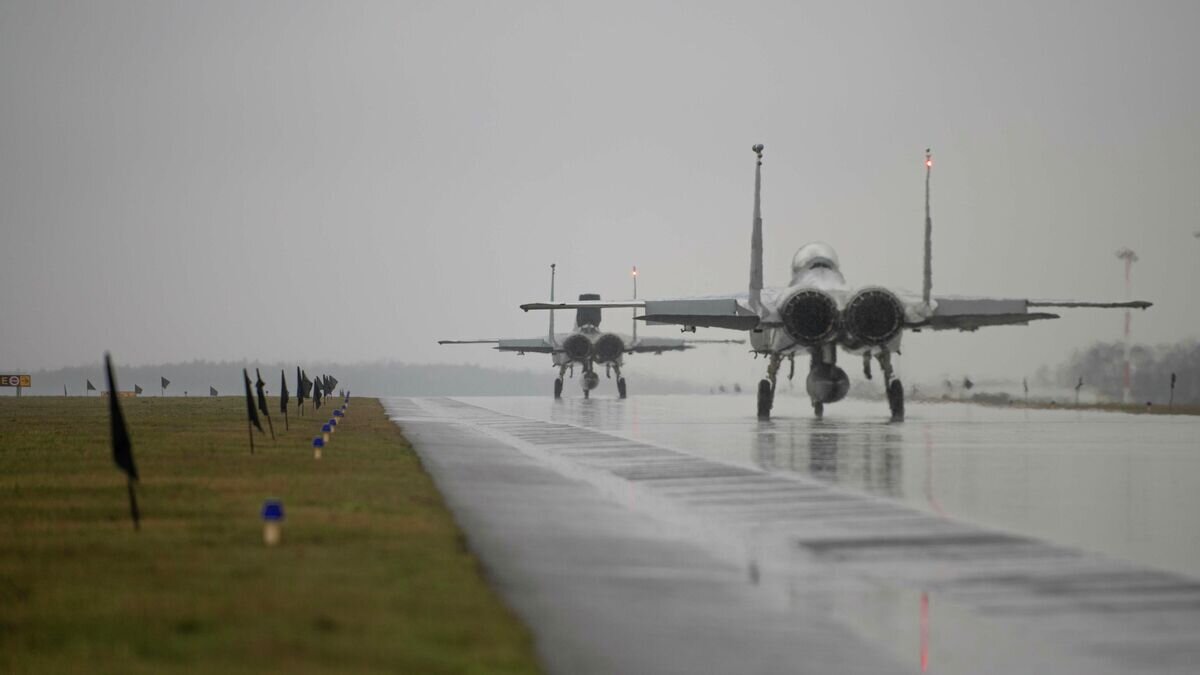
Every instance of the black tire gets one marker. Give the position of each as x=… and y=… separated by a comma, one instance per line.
x=766, y=399
x=558, y=384
x=621, y=387
x=896, y=400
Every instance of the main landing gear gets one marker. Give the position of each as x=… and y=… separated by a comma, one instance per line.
x=558, y=382
x=766, y=387
x=590, y=380
x=893, y=387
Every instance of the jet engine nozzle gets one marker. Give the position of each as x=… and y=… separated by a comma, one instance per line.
x=608, y=348
x=577, y=347
x=873, y=316
x=827, y=383
x=810, y=317
x=591, y=381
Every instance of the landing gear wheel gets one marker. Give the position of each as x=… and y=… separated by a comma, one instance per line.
x=819, y=410
x=766, y=399
x=621, y=387
x=558, y=388
x=587, y=393
x=896, y=400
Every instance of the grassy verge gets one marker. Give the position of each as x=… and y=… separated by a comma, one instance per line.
x=1133, y=408
x=371, y=576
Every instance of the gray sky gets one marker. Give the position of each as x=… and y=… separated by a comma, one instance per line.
x=355, y=180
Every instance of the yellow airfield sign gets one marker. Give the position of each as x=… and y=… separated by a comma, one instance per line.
x=22, y=381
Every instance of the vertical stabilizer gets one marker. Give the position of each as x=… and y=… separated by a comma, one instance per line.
x=756, y=243
x=927, y=285
x=551, y=338
x=635, y=308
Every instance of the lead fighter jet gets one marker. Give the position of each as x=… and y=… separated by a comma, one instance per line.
x=588, y=347
x=818, y=311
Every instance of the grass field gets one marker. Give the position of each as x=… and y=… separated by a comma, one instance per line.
x=372, y=574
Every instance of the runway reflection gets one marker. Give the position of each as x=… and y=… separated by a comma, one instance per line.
x=867, y=457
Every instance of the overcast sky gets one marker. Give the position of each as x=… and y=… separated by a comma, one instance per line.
x=294, y=180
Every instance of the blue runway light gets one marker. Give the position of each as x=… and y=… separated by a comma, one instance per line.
x=272, y=510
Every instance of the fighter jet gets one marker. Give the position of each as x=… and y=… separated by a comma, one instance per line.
x=588, y=347
x=818, y=312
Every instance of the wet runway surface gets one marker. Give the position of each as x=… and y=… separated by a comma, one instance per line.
x=965, y=540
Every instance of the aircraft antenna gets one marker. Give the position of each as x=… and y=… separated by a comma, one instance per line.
x=552, y=266
x=635, y=308
x=1129, y=257
x=756, y=242
x=928, y=283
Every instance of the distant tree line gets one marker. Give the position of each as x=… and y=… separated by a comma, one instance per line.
x=382, y=378
x=1102, y=368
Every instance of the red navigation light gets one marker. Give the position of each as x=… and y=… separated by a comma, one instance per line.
x=635, y=271
x=928, y=162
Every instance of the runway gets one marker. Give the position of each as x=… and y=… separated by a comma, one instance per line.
x=680, y=534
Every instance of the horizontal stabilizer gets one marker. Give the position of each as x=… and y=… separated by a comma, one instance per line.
x=1133, y=304
x=974, y=321
x=535, y=345
x=584, y=304
x=702, y=313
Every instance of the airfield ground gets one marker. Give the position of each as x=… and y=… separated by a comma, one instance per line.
x=372, y=574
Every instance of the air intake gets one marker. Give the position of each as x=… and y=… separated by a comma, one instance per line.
x=810, y=317
x=588, y=316
x=578, y=347
x=873, y=317
x=609, y=348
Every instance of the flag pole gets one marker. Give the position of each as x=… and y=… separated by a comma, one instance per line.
x=250, y=428
x=133, y=506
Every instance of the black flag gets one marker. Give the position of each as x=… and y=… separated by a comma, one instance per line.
x=317, y=393
x=212, y=391
x=163, y=386
x=90, y=386
x=299, y=391
x=64, y=390
x=250, y=411
x=259, y=386
x=137, y=389
x=283, y=398
x=122, y=446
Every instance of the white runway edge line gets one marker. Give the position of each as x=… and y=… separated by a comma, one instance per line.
x=801, y=544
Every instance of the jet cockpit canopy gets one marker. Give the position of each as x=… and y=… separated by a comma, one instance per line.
x=813, y=256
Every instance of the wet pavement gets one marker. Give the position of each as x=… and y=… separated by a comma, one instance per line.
x=680, y=534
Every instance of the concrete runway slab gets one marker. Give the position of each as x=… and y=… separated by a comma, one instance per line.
x=628, y=554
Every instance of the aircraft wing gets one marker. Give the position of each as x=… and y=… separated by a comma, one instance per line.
x=968, y=314
x=534, y=345
x=715, y=312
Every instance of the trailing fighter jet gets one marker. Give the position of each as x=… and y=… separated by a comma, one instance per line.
x=817, y=312
x=588, y=347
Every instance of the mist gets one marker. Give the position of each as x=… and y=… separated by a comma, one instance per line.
x=350, y=182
